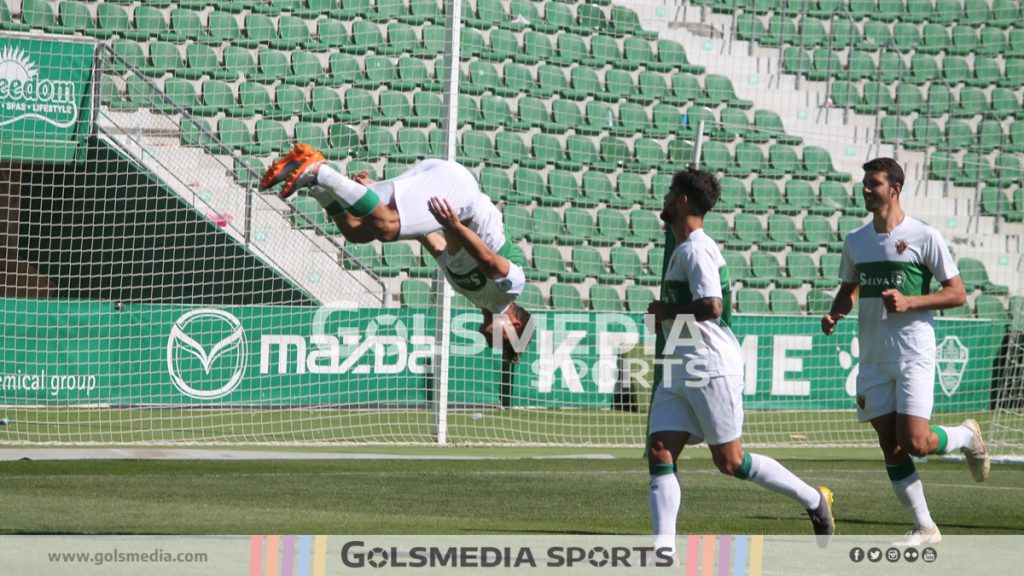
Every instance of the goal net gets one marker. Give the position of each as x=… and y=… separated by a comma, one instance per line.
x=153, y=295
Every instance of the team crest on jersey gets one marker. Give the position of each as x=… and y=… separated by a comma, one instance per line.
x=901, y=246
x=505, y=284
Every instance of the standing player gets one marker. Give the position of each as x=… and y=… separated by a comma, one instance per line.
x=431, y=196
x=700, y=396
x=887, y=265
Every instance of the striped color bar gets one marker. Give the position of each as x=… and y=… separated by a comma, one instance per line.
x=270, y=558
x=724, y=555
x=739, y=555
x=305, y=555
x=707, y=556
x=255, y=555
x=692, y=554
x=288, y=557
x=742, y=557
x=320, y=556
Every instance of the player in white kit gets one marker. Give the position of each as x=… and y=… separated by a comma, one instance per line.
x=433, y=195
x=700, y=397
x=887, y=266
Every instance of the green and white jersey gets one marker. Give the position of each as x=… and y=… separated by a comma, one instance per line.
x=696, y=271
x=905, y=259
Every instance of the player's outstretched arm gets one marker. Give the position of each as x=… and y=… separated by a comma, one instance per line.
x=459, y=236
x=843, y=303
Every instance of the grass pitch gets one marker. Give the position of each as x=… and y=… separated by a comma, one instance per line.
x=522, y=494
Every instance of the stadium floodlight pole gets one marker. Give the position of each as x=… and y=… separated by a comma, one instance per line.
x=698, y=143
x=450, y=125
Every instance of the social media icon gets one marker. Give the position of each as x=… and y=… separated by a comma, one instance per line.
x=856, y=554
x=929, y=555
x=911, y=555
x=892, y=555
x=875, y=554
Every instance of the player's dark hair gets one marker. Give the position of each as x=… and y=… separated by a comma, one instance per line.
x=893, y=170
x=699, y=186
x=508, y=350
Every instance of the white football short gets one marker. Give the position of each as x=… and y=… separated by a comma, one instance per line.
x=711, y=413
x=905, y=387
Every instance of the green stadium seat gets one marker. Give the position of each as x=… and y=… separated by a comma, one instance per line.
x=587, y=261
x=597, y=189
x=631, y=191
x=717, y=227
x=972, y=102
x=817, y=161
x=73, y=17
x=848, y=224
x=562, y=188
x=566, y=297
x=991, y=42
x=1014, y=76
x=398, y=257
x=749, y=28
x=925, y=133
x=164, y=58
x=234, y=133
x=991, y=308
x=1016, y=309
x=605, y=298
x=379, y=143
x=834, y=196
x=963, y=40
x=975, y=168
x=765, y=195
x=783, y=302
x=720, y=89
x=781, y=31
x=782, y=232
x=636, y=52
x=272, y=65
x=638, y=298
x=532, y=298
x=782, y=161
x=611, y=227
x=195, y=132
x=476, y=147
x=672, y=57
x=908, y=100
x=819, y=232
x=715, y=157
x=343, y=142
x=818, y=303
x=1008, y=168
x=366, y=37
x=769, y=125
x=580, y=152
x=644, y=228
x=579, y=226
x=801, y=268
x=749, y=160
x=312, y=134
x=517, y=222
x=253, y=98
x=548, y=262
x=412, y=146
x=565, y=114
x=748, y=229
x=625, y=262
x=799, y=196
x=183, y=94
x=509, y=149
x=736, y=262
x=824, y=65
x=331, y=35
x=751, y=302
x=528, y=186
x=934, y=39
x=415, y=294
x=975, y=277
x=876, y=98
x=829, y=270
x=496, y=183
x=201, y=60
x=394, y=107
x=995, y=202
x=618, y=85
x=733, y=196
x=893, y=130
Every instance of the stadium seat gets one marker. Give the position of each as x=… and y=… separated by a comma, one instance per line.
x=605, y=298
x=579, y=226
x=416, y=294
x=801, y=269
x=625, y=262
x=818, y=302
x=495, y=183
x=765, y=195
x=638, y=298
x=562, y=188
x=991, y=308
x=739, y=269
x=717, y=227
x=975, y=277
x=548, y=262
x=783, y=302
x=587, y=260
x=819, y=232
x=566, y=297
x=751, y=302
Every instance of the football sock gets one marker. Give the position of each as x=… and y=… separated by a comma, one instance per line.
x=952, y=438
x=768, y=473
x=336, y=192
x=665, y=496
x=910, y=492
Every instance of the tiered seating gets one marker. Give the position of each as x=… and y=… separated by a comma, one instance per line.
x=570, y=113
x=946, y=77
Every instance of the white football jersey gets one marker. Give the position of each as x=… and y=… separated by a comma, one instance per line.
x=905, y=259
x=696, y=271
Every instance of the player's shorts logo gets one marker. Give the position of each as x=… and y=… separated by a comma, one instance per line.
x=199, y=339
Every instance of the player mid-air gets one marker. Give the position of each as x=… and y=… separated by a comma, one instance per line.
x=433, y=195
x=700, y=397
x=887, y=265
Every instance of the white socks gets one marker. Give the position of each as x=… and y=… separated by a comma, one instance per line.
x=767, y=472
x=952, y=438
x=665, y=496
x=910, y=493
x=336, y=190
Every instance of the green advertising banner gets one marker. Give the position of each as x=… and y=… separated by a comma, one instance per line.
x=98, y=353
x=45, y=97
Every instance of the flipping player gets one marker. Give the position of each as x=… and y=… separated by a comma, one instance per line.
x=431, y=196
